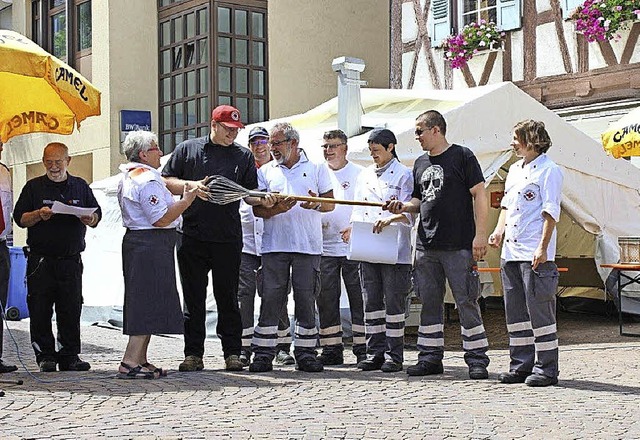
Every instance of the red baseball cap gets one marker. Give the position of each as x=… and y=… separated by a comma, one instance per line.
x=227, y=115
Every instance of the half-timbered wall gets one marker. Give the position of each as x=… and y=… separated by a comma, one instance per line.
x=542, y=53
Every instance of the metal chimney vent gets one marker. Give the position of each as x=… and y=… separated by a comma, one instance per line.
x=349, y=104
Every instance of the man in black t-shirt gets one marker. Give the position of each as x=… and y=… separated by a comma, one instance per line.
x=450, y=196
x=54, y=266
x=211, y=235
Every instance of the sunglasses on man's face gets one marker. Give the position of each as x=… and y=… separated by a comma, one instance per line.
x=259, y=142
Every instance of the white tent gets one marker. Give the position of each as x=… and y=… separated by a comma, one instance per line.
x=600, y=194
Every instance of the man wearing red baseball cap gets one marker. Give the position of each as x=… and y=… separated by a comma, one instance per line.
x=211, y=235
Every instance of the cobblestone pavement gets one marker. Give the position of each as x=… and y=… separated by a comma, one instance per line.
x=597, y=396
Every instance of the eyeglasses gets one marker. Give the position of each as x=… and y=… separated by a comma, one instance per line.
x=231, y=129
x=275, y=144
x=419, y=131
x=259, y=142
x=154, y=149
x=331, y=146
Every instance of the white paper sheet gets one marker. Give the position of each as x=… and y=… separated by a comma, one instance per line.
x=61, y=208
x=373, y=248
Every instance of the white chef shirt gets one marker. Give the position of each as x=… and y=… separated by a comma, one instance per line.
x=297, y=230
x=530, y=190
x=143, y=197
x=252, y=228
x=344, y=186
x=395, y=183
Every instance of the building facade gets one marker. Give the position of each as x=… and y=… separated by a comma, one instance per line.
x=588, y=84
x=177, y=59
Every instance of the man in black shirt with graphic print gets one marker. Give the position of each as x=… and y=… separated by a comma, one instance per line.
x=450, y=196
x=211, y=235
x=54, y=266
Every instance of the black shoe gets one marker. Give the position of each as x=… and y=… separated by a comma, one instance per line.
x=360, y=357
x=73, y=364
x=477, y=372
x=4, y=368
x=260, y=364
x=424, y=368
x=372, y=364
x=331, y=358
x=513, y=377
x=391, y=367
x=310, y=365
x=47, y=366
x=245, y=358
x=540, y=380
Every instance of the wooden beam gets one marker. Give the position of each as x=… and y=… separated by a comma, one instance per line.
x=562, y=41
x=507, y=64
x=488, y=67
x=631, y=43
x=607, y=53
x=468, y=77
x=582, y=50
x=609, y=83
x=395, y=58
x=529, y=24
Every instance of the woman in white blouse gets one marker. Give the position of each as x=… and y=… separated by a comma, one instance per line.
x=150, y=214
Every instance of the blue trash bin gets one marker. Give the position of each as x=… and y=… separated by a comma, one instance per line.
x=17, y=295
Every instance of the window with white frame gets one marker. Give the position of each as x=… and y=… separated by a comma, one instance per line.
x=448, y=17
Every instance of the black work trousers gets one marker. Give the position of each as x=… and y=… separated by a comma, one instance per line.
x=195, y=259
x=54, y=282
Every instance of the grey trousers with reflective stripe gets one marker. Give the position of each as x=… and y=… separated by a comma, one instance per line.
x=530, y=308
x=385, y=288
x=247, y=286
x=279, y=269
x=432, y=268
x=329, y=304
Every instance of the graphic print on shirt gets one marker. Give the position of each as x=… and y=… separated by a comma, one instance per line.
x=530, y=192
x=431, y=182
x=153, y=200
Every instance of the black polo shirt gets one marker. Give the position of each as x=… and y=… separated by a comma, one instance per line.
x=62, y=235
x=194, y=159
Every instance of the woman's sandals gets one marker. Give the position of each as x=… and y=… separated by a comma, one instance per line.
x=137, y=372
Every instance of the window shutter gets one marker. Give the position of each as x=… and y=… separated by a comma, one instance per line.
x=509, y=14
x=440, y=27
x=568, y=6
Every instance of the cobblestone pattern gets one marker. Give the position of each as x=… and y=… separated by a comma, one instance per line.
x=597, y=397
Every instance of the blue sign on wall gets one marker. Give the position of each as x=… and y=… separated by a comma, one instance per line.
x=131, y=120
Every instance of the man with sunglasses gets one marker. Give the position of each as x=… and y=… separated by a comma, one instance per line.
x=335, y=225
x=250, y=264
x=291, y=248
x=211, y=235
x=450, y=196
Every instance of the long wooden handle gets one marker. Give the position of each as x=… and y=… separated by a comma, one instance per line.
x=329, y=200
x=497, y=269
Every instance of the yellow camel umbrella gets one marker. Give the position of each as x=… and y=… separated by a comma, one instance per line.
x=39, y=92
x=622, y=139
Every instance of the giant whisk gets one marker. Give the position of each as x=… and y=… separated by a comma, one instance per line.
x=223, y=191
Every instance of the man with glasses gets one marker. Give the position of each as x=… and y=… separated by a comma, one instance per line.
x=291, y=248
x=211, y=235
x=54, y=266
x=250, y=265
x=450, y=196
x=335, y=225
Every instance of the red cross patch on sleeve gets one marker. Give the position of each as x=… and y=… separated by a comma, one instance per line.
x=153, y=200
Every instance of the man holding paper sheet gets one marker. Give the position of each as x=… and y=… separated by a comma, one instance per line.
x=291, y=249
x=54, y=266
x=450, y=196
x=334, y=264
x=385, y=285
